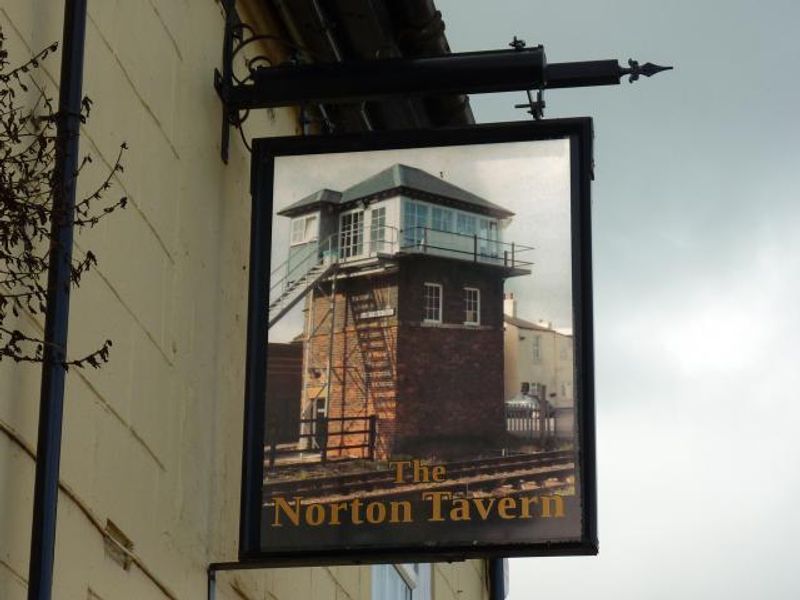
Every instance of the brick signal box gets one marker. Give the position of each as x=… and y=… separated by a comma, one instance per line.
x=402, y=277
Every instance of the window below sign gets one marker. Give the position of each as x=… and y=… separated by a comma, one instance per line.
x=401, y=582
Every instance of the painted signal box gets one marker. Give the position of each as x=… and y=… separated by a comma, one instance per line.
x=402, y=280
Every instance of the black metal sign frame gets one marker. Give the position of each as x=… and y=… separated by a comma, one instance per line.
x=265, y=151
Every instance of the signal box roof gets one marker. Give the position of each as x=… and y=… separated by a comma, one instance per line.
x=403, y=179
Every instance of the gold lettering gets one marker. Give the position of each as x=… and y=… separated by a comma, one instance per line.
x=355, y=516
x=282, y=505
x=483, y=510
x=460, y=510
x=335, y=508
x=376, y=512
x=436, y=503
x=394, y=511
x=504, y=505
x=399, y=466
x=548, y=501
x=421, y=472
x=315, y=514
x=526, y=506
x=438, y=473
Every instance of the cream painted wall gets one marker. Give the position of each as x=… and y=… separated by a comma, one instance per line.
x=553, y=367
x=152, y=442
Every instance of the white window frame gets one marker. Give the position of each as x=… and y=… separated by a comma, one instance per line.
x=462, y=222
x=425, y=318
x=361, y=233
x=416, y=576
x=408, y=574
x=412, y=236
x=477, y=321
x=377, y=233
x=487, y=232
x=306, y=235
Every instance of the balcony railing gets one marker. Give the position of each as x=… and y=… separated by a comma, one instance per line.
x=388, y=240
x=463, y=246
x=436, y=242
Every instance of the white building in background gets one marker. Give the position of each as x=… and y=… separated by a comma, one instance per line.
x=536, y=355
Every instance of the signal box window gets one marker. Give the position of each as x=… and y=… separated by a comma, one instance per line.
x=304, y=229
x=472, y=306
x=432, y=303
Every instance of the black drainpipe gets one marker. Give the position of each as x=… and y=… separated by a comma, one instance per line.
x=51, y=403
x=497, y=579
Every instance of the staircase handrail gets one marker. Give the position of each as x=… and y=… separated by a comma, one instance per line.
x=319, y=248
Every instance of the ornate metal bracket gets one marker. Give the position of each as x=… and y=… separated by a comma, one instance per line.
x=297, y=83
x=239, y=35
x=223, y=82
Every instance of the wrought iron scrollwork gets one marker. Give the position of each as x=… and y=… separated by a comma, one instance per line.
x=238, y=36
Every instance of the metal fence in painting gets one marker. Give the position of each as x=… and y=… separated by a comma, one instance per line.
x=321, y=438
x=529, y=423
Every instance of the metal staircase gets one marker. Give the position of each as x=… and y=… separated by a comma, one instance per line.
x=290, y=283
x=373, y=344
x=301, y=276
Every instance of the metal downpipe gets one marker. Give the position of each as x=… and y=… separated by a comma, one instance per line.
x=51, y=404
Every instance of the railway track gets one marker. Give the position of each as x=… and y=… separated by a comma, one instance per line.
x=516, y=482
x=466, y=476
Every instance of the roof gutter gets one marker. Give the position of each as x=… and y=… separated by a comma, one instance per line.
x=423, y=34
x=345, y=30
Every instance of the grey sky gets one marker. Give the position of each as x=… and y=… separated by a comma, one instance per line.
x=531, y=179
x=696, y=260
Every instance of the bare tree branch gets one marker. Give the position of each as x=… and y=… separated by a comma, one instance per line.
x=27, y=156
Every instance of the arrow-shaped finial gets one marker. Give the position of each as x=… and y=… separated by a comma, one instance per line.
x=647, y=69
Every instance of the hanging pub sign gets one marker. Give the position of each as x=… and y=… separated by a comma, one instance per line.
x=420, y=369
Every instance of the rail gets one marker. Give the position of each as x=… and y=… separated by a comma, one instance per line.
x=347, y=483
x=464, y=246
x=352, y=245
x=300, y=262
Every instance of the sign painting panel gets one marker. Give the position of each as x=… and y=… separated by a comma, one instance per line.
x=422, y=310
